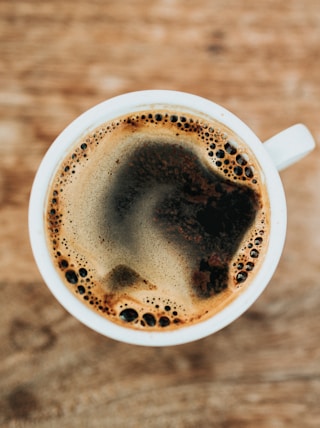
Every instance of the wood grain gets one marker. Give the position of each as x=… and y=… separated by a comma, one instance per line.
x=261, y=60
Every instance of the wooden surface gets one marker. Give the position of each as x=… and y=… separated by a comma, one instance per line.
x=261, y=60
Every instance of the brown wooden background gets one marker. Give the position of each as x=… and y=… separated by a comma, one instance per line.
x=261, y=60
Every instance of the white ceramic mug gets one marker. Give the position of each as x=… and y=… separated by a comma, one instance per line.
x=275, y=154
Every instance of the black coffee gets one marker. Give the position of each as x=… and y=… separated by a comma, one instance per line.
x=157, y=220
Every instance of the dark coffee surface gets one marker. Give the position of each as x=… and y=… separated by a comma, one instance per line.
x=158, y=219
x=195, y=208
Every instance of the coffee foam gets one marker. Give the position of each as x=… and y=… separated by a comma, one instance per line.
x=116, y=233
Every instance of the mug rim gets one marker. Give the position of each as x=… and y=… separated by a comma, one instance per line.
x=111, y=109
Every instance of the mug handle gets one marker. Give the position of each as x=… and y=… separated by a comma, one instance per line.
x=289, y=146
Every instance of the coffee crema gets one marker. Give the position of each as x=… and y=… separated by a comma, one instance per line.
x=158, y=219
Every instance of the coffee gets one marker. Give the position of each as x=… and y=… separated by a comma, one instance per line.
x=158, y=219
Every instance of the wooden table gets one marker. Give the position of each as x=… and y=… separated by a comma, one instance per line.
x=261, y=60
